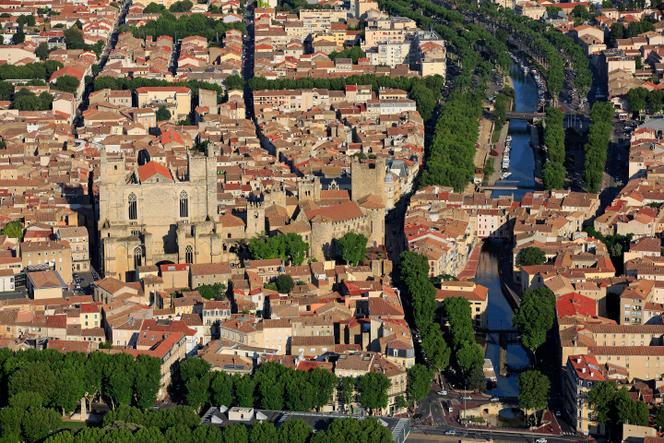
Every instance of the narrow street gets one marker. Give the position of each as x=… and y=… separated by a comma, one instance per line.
x=112, y=41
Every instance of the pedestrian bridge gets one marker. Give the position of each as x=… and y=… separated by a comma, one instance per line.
x=530, y=116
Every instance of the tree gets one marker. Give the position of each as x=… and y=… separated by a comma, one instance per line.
x=119, y=388
x=580, y=11
x=372, y=389
x=469, y=356
x=352, y=248
x=345, y=391
x=294, y=431
x=147, y=381
x=244, y=391
x=535, y=316
x=221, y=389
x=263, y=432
x=659, y=417
x=19, y=36
x=216, y=291
x=322, y=383
x=42, y=51
x=153, y=8
x=459, y=316
x=38, y=423
x=286, y=247
x=435, y=348
x=354, y=53
x=636, y=97
x=74, y=38
x=13, y=229
x=419, y=383
x=533, y=391
x=368, y=430
x=163, y=114
x=181, y=6
x=532, y=255
x=68, y=390
x=151, y=435
x=284, y=283
x=235, y=433
x=66, y=83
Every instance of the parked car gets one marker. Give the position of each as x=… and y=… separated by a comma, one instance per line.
x=443, y=392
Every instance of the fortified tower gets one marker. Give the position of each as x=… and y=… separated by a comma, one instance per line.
x=368, y=178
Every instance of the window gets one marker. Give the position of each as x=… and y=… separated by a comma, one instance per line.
x=133, y=209
x=184, y=204
x=189, y=254
x=138, y=257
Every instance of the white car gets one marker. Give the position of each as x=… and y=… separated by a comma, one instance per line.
x=450, y=432
x=540, y=440
x=443, y=392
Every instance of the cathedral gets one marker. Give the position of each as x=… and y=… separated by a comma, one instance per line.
x=151, y=215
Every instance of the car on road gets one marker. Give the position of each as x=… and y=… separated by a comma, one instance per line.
x=541, y=440
x=466, y=397
x=450, y=432
x=443, y=392
x=494, y=400
x=557, y=413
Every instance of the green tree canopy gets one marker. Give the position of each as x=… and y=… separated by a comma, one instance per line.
x=13, y=229
x=153, y=8
x=284, y=283
x=181, y=6
x=289, y=247
x=372, y=389
x=42, y=51
x=215, y=291
x=66, y=83
x=352, y=248
x=533, y=391
x=419, y=382
x=532, y=255
x=163, y=114
x=535, y=316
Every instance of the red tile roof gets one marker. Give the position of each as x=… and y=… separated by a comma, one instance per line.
x=150, y=169
x=575, y=304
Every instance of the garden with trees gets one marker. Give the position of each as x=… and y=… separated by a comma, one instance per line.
x=43, y=385
x=180, y=424
x=289, y=248
x=274, y=386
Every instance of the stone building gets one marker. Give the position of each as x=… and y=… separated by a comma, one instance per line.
x=150, y=215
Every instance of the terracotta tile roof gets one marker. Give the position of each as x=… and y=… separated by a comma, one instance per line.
x=575, y=304
x=149, y=169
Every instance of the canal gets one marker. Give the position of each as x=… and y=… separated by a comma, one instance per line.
x=499, y=316
x=522, y=157
x=522, y=167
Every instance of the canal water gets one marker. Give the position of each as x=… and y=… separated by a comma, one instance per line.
x=522, y=167
x=499, y=316
x=522, y=157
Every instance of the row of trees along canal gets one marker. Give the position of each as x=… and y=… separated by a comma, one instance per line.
x=455, y=349
x=595, y=149
x=476, y=51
